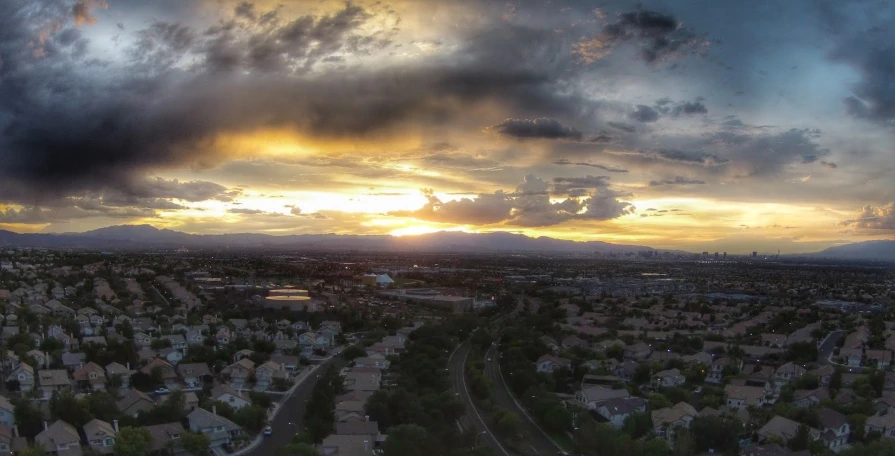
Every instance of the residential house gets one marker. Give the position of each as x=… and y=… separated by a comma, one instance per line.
x=171, y=355
x=773, y=340
x=810, y=398
x=266, y=373
x=100, y=436
x=617, y=410
x=7, y=412
x=835, y=430
x=781, y=427
x=362, y=381
x=823, y=374
x=699, y=358
x=789, y=372
x=91, y=376
x=142, y=340
x=168, y=374
x=715, y=374
x=194, y=337
x=670, y=377
x=884, y=424
x=592, y=397
x=134, y=402
x=626, y=370
x=346, y=445
x=72, y=361
x=290, y=363
x=740, y=397
x=10, y=443
x=219, y=429
x=178, y=342
x=666, y=421
x=572, y=342
x=881, y=359
x=230, y=396
x=239, y=372
x=194, y=374
x=364, y=428
x=549, y=363
x=53, y=380
x=24, y=374
x=165, y=439
x=638, y=351
x=378, y=361
x=123, y=373
x=60, y=438
x=550, y=343
x=852, y=356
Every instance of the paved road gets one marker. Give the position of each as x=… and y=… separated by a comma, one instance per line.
x=472, y=419
x=289, y=420
x=825, y=350
x=540, y=443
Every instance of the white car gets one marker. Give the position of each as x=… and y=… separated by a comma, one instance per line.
x=162, y=391
x=268, y=430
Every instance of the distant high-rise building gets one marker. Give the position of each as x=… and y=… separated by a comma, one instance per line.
x=725, y=255
x=705, y=254
x=754, y=254
x=716, y=256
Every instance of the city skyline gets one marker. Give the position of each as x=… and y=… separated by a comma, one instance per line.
x=705, y=126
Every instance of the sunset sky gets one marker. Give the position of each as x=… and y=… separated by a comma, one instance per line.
x=698, y=125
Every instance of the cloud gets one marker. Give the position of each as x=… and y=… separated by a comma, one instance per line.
x=658, y=35
x=245, y=211
x=295, y=210
x=678, y=180
x=686, y=157
x=874, y=218
x=182, y=88
x=610, y=169
x=870, y=54
x=830, y=165
x=541, y=128
x=530, y=205
x=644, y=113
x=81, y=10
x=690, y=108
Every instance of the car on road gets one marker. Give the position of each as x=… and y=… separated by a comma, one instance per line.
x=161, y=391
x=268, y=430
x=489, y=360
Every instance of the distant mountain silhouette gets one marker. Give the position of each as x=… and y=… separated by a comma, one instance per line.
x=867, y=250
x=147, y=236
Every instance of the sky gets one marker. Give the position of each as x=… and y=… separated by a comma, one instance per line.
x=706, y=125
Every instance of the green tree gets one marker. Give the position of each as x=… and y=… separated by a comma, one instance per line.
x=406, y=440
x=714, y=433
x=297, y=449
x=638, y=425
x=195, y=443
x=505, y=422
x=352, y=352
x=800, y=441
x=683, y=443
x=32, y=451
x=132, y=441
x=28, y=417
x=252, y=417
x=66, y=407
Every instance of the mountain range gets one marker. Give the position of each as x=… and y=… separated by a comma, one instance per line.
x=147, y=236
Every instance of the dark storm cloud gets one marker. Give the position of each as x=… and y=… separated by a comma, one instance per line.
x=696, y=158
x=690, y=108
x=678, y=180
x=149, y=114
x=872, y=54
x=658, y=35
x=622, y=127
x=610, y=169
x=644, y=113
x=830, y=165
x=542, y=128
